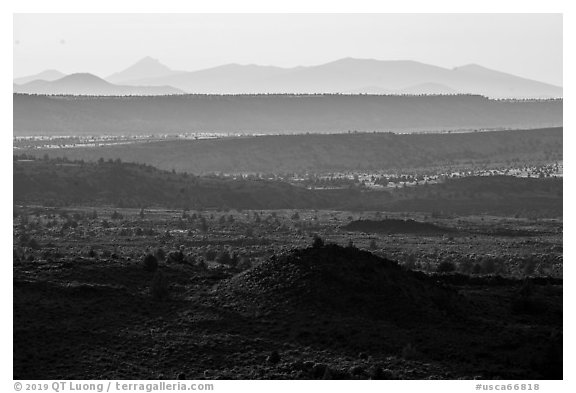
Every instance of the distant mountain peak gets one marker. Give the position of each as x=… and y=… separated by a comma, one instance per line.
x=471, y=67
x=89, y=84
x=83, y=77
x=148, y=59
x=51, y=71
x=149, y=62
x=46, y=75
x=147, y=67
x=351, y=60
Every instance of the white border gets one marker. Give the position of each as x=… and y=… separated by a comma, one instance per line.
x=338, y=6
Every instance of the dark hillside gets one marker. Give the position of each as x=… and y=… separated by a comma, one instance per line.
x=487, y=194
x=59, y=182
x=335, y=152
x=132, y=185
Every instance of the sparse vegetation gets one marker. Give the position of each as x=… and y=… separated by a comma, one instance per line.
x=150, y=263
x=317, y=241
x=292, y=277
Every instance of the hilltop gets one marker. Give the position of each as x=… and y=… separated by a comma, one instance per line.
x=329, y=280
x=59, y=183
x=84, y=84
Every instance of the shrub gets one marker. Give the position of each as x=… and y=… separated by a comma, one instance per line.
x=317, y=242
x=201, y=264
x=150, y=263
x=159, y=287
x=529, y=267
x=377, y=373
x=160, y=254
x=203, y=225
x=245, y=263
x=24, y=239
x=274, y=357
x=125, y=232
x=224, y=258
x=373, y=246
x=190, y=259
x=476, y=269
x=70, y=224
x=466, y=266
x=445, y=267
x=175, y=257
x=410, y=262
x=234, y=259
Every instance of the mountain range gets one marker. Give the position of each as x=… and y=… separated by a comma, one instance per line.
x=88, y=84
x=48, y=75
x=348, y=76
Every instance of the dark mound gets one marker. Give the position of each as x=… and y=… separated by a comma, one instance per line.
x=395, y=226
x=333, y=280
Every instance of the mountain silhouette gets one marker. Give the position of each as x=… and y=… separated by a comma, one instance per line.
x=357, y=76
x=348, y=75
x=47, y=75
x=147, y=67
x=88, y=84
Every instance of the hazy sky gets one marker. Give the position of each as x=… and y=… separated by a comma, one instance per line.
x=527, y=45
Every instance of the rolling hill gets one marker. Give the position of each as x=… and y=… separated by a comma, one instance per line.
x=66, y=183
x=48, y=75
x=88, y=84
x=326, y=153
x=132, y=185
x=144, y=68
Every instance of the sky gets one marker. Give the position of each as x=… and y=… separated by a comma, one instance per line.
x=526, y=45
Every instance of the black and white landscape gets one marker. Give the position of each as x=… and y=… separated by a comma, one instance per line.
x=357, y=216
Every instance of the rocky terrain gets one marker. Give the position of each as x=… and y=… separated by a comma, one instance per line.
x=93, y=307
